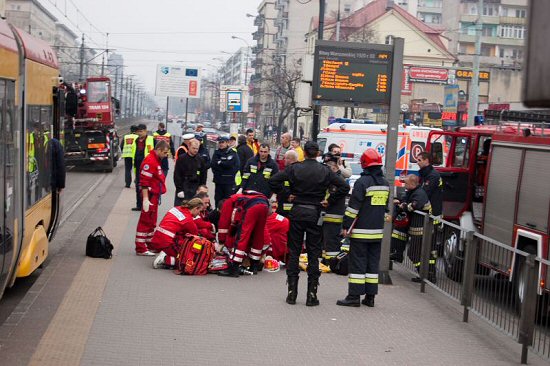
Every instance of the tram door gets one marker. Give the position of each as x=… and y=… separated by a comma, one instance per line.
x=8, y=172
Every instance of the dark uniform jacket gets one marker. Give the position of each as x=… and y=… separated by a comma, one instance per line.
x=188, y=173
x=308, y=182
x=431, y=182
x=368, y=203
x=334, y=213
x=244, y=152
x=203, y=153
x=225, y=164
x=257, y=174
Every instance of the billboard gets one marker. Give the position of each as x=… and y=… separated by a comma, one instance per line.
x=177, y=81
x=430, y=75
x=450, y=101
x=351, y=73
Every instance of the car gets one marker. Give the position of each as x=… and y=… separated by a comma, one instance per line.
x=211, y=133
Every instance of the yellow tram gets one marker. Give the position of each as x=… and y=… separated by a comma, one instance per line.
x=29, y=118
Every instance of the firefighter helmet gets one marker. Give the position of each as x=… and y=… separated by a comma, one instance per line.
x=370, y=157
x=401, y=220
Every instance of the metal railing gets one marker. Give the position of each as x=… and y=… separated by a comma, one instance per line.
x=496, y=282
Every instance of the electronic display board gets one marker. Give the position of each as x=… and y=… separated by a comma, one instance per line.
x=352, y=73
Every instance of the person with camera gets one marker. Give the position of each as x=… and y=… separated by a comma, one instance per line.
x=336, y=150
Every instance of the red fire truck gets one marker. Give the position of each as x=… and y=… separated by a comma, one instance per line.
x=496, y=183
x=90, y=135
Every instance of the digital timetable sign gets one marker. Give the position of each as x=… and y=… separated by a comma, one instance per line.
x=352, y=73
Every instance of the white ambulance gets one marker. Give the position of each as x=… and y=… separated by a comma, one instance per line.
x=354, y=138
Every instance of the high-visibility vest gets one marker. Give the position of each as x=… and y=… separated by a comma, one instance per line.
x=158, y=137
x=128, y=142
x=31, y=155
x=149, y=146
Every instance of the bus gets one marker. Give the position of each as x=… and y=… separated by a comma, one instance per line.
x=32, y=109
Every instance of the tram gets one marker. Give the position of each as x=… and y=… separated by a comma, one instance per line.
x=32, y=109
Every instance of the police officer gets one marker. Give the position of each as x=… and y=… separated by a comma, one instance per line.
x=141, y=147
x=126, y=146
x=308, y=183
x=364, y=220
x=334, y=216
x=431, y=182
x=162, y=135
x=225, y=164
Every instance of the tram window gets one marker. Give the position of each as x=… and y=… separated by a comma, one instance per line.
x=98, y=92
x=38, y=164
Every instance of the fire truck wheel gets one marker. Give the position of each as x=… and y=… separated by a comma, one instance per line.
x=111, y=162
x=453, y=259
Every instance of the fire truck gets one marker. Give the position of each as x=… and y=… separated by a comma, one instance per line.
x=91, y=137
x=496, y=183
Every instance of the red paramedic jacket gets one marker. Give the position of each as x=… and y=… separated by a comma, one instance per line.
x=174, y=225
x=205, y=228
x=278, y=227
x=151, y=175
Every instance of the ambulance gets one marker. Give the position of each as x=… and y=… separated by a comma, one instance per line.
x=355, y=136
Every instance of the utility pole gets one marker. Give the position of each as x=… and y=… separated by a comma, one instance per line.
x=126, y=98
x=317, y=108
x=81, y=75
x=473, y=95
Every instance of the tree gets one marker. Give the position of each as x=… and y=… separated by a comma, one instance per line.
x=283, y=79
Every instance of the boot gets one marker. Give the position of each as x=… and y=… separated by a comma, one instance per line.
x=312, y=294
x=231, y=271
x=254, y=266
x=350, y=300
x=369, y=301
x=292, y=290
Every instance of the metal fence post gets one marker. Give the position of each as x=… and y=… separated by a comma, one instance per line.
x=528, y=307
x=468, y=273
x=427, y=233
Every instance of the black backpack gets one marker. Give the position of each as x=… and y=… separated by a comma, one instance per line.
x=98, y=245
x=339, y=264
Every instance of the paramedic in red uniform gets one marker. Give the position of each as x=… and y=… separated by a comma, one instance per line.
x=277, y=227
x=177, y=222
x=152, y=186
x=241, y=229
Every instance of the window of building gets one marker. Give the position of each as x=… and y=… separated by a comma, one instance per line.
x=468, y=28
x=517, y=54
x=489, y=30
x=486, y=50
x=521, y=13
x=490, y=10
x=430, y=18
x=501, y=52
x=512, y=31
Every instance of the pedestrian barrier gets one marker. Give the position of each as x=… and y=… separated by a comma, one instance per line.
x=496, y=282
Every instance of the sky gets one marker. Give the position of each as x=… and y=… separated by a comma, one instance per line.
x=147, y=33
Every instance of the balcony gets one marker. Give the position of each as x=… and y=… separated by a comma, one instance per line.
x=257, y=62
x=258, y=20
x=513, y=20
x=257, y=35
x=467, y=38
x=484, y=19
x=429, y=9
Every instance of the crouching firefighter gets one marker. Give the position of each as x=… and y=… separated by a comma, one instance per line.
x=415, y=199
x=364, y=222
x=241, y=229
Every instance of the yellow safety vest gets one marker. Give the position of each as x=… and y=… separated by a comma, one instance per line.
x=31, y=155
x=128, y=142
x=149, y=146
x=158, y=137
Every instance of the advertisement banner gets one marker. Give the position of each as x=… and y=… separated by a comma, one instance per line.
x=430, y=75
x=406, y=85
x=177, y=81
x=450, y=102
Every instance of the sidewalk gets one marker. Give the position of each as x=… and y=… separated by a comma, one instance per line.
x=123, y=312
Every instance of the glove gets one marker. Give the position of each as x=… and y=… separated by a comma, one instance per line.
x=146, y=205
x=181, y=195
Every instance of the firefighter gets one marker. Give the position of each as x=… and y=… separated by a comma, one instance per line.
x=431, y=182
x=141, y=147
x=152, y=186
x=415, y=199
x=308, y=183
x=162, y=135
x=258, y=170
x=187, y=173
x=364, y=220
x=126, y=146
x=241, y=229
x=177, y=222
x=283, y=204
x=334, y=216
x=225, y=164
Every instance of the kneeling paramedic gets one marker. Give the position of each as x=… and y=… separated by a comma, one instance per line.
x=177, y=222
x=364, y=221
x=152, y=186
x=308, y=184
x=241, y=229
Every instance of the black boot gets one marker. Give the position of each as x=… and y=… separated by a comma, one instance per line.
x=292, y=290
x=231, y=271
x=254, y=266
x=369, y=301
x=350, y=300
x=312, y=293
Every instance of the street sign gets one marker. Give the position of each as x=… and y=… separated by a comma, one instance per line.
x=177, y=81
x=234, y=101
x=234, y=98
x=352, y=73
x=450, y=102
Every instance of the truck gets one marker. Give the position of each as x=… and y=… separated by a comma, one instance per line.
x=495, y=182
x=91, y=137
